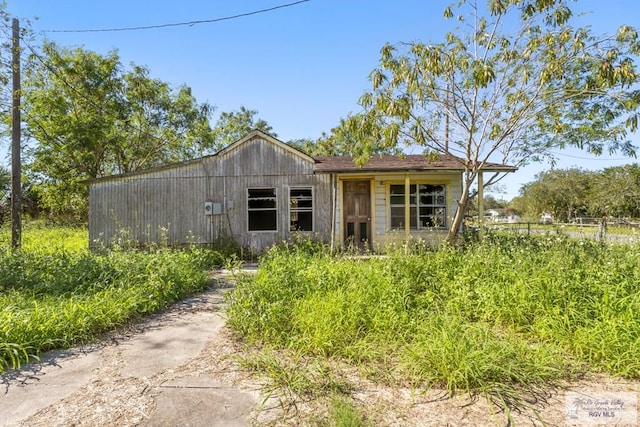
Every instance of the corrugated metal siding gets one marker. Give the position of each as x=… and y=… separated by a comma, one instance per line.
x=261, y=158
x=168, y=204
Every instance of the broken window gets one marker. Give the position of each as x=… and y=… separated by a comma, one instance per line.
x=427, y=206
x=262, y=209
x=301, y=209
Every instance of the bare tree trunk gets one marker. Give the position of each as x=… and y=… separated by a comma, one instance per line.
x=461, y=212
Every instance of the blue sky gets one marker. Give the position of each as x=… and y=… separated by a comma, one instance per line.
x=302, y=67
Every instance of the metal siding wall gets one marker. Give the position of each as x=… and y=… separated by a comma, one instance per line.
x=237, y=194
x=259, y=157
x=173, y=199
x=141, y=207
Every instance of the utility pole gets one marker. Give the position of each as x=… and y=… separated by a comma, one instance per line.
x=16, y=167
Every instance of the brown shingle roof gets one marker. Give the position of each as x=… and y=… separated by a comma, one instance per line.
x=388, y=163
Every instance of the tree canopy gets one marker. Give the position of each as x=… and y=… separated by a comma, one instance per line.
x=616, y=192
x=5, y=181
x=564, y=193
x=514, y=80
x=571, y=193
x=233, y=125
x=343, y=140
x=89, y=117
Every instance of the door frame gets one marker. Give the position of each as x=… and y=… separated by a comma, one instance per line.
x=369, y=214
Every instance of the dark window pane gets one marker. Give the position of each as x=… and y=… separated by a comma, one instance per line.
x=262, y=192
x=396, y=189
x=262, y=220
x=397, y=200
x=301, y=209
x=300, y=192
x=301, y=221
x=397, y=217
x=413, y=219
x=426, y=211
x=363, y=231
x=262, y=203
x=304, y=204
x=351, y=231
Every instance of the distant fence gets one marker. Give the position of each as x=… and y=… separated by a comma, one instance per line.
x=615, y=231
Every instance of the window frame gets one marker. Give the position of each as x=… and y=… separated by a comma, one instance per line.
x=310, y=210
x=416, y=206
x=253, y=210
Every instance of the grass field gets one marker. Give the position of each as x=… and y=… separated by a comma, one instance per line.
x=505, y=317
x=54, y=293
x=38, y=236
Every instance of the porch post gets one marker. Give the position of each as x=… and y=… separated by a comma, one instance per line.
x=333, y=179
x=407, y=208
x=481, y=200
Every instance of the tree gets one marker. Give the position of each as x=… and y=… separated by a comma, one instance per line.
x=490, y=202
x=5, y=186
x=342, y=141
x=568, y=193
x=231, y=126
x=90, y=118
x=5, y=181
x=564, y=193
x=616, y=192
x=513, y=82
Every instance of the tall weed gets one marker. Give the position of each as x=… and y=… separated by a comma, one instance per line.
x=505, y=314
x=58, y=300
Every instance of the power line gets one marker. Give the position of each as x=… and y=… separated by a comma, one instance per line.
x=555, y=153
x=179, y=24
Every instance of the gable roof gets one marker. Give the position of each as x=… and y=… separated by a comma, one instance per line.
x=411, y=162
x=333, y=164
x=257, y=134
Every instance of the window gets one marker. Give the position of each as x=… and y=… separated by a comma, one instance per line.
x=396, y=196
x=301, y=209
x=262, y=209
x=427, y=206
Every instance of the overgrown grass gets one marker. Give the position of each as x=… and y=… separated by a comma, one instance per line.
x=509, y=315
x=344, y=414
x=59, y=295
x=292, y=376
x=38, y=236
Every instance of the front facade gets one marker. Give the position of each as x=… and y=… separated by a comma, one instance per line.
x=259, y=191
x=390, y=200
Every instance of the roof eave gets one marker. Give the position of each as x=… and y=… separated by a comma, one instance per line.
x=435, y=169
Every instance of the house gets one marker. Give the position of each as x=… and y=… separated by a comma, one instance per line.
x=502, y=215
x=259, y=191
